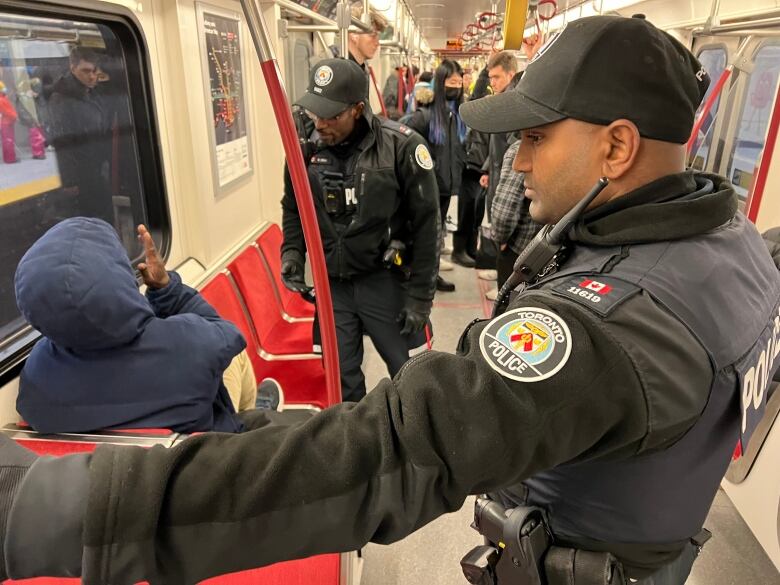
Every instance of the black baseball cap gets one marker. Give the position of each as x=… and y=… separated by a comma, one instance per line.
x=334, y=85
x=600, y=69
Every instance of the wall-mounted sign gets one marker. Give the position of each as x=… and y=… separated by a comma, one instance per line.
x=223, y=75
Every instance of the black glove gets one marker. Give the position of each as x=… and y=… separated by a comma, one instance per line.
x=15, y=460
x=293, y=272
x=414, y=316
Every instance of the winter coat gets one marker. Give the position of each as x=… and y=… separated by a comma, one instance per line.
x=110, y=357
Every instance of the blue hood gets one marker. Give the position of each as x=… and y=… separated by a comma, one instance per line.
x=76, y=286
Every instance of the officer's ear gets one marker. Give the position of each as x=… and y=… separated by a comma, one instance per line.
x=359, y=109
x=620, y=142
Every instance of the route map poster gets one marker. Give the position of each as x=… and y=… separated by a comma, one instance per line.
x=224, y=76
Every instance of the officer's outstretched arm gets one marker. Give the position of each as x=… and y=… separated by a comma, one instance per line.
x=413, y=449
x=421, y=200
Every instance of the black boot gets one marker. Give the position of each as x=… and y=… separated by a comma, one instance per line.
x=463, y=259
x=444, y=285
x=459, y=254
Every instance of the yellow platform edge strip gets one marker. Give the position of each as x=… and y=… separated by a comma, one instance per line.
x=29, y=189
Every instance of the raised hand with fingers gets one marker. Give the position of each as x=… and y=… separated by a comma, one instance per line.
x=153, y=269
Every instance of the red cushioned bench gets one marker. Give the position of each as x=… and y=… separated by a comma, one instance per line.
x=294, y=307
x=301, y=375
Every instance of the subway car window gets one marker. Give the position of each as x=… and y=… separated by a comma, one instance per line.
x=70, y=138
x=714, y=61
x=754, y=120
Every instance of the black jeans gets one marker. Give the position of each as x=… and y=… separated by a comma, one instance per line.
x=505, y=265
x=368, y=304
x=466, y=235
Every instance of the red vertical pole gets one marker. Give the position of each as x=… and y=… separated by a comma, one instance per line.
x=716, y=91
x=303, y=196
x=379, y=93
x=759, y=178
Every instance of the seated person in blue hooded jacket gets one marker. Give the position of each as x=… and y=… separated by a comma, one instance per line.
x=110, y=357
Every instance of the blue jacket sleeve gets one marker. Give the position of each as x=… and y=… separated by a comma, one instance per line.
x=177, y=298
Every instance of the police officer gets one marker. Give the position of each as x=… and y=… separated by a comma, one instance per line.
x=611, y=392
x=376, y=199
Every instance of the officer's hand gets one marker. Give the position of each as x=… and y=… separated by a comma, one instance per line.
x=414, y=316
x=153, y=270
x=483, y=181
x=293, y=272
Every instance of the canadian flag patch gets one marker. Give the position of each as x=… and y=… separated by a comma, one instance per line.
x=596, y=286
x=602, y=295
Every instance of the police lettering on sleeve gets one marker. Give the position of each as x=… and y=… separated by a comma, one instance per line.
x=526, y=344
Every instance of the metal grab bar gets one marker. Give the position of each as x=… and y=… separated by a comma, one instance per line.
x=303, y=195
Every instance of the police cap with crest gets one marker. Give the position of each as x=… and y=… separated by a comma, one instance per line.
x=334, y=85
x=598, y=70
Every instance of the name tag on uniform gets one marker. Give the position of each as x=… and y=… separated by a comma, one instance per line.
x=754, y=373
x=598, y=292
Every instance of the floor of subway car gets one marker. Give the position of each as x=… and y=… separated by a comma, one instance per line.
x=432, y=555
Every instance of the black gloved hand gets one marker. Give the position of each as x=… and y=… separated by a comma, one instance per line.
x=414, y=316
x=15, y=460
x=293, y=272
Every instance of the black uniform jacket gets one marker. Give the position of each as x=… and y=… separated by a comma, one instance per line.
x=447, y=426
x=450, y=157
x=397, y=198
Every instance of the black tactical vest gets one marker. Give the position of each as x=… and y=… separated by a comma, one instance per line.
x=725, y=289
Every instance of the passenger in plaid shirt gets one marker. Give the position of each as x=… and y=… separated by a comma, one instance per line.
x=512, y=227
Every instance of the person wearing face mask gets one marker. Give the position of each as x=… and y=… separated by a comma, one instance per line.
x=440, y=124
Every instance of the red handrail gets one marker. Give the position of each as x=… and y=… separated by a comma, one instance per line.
x=759, y=180
x=708, y=107
x=379, y=93
x=303, y=196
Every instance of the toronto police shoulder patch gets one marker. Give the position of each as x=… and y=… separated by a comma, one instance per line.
x=423, y=157
x=528, y=344
x=598, y=292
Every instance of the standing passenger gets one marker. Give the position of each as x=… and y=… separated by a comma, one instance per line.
x=27, y=94
x=364, y=45
x=81, y=135
x=374, y=190
x=501, y=67
x=512, y=228
x=445, y=132
x=8, y=117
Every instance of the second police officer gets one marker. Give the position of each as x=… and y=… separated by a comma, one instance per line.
x=376, y=199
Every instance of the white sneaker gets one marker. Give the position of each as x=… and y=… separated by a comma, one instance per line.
x=487, y=274
x=445, y=265
x=492, y=294
x=447, y=250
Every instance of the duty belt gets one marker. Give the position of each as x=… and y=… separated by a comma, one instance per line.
x=519, y=551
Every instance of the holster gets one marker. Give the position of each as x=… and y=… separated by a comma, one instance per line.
x=570, y=566
x=517, y=540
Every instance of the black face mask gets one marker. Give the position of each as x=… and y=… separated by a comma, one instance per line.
x=452, y=93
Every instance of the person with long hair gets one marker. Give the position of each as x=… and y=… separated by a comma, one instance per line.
x=441, y=125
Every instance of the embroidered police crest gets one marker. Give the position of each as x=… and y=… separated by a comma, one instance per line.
x=323, y=76
x=423, y=157
x=527, y=344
